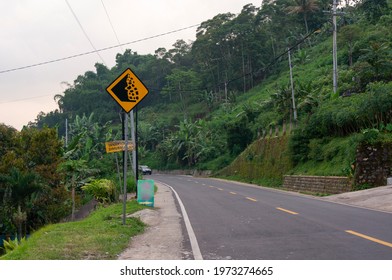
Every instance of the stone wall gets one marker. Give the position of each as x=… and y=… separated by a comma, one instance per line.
x=373, y=164
x=317, y=184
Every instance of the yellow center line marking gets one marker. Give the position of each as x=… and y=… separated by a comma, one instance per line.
x=233, y=193
x=220, y=189
x=287, y=211
x=370, y=238
x=211, y=186
x=251, y=199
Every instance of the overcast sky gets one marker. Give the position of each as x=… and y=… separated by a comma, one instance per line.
x=36, y=31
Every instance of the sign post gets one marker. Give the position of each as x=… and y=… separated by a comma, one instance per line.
x=117, y=146
x=127, y=90
x=125, y=194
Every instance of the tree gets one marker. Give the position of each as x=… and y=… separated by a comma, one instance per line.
x=304, y=7
x=190, y=143
x=76, y=174
x=180, y=54
x=42, y=151
x=301, y=57
x=282, y=102
x=375, y=62
x=374, y=9
x=30, y=187
x=239, y=135
x=184, y=85
x=19, y=187
x=8, y=136
x=87, y=137
x=9, y=155
x=349, y=34
x=213, y=50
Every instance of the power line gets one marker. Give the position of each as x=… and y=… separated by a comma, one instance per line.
x=274, y=60
x=84, y=31
x=111, y=24
x=24, y=99
x=98, y=50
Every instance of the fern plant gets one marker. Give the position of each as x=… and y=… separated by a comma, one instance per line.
x=10, y=245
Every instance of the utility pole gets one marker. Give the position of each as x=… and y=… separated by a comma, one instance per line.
x=66, y=133
x=292, y=86
x=226, y=91
x=334, y=48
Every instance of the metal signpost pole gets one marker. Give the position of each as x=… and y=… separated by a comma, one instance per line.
x=127, y=90
x=136, y=152
x=125, y=167
x=134, y=166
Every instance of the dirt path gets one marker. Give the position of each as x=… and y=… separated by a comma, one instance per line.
x=163, y=237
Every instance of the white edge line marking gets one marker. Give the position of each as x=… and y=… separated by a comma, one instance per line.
x=192, y=237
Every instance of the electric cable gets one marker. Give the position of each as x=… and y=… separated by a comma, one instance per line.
x=24, y=99
x=274, y=60
x=111, y=24
x=84, y=31
x=98, y=50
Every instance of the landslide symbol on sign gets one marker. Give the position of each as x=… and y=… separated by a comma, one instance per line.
x=133, y=93
x=128, y=90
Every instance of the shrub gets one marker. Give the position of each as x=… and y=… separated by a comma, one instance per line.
x=103, y=190
x=370, y=135
x=344, y=116
x=10, y=245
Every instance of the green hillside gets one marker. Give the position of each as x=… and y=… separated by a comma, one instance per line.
x=210, y=99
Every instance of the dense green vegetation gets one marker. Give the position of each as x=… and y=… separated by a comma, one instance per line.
x=211, y=98
x=209, y=101
x=264, y=162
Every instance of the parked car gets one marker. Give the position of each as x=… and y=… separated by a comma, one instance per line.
x=145, y=170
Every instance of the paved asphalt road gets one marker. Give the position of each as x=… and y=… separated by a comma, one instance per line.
x=233, y=221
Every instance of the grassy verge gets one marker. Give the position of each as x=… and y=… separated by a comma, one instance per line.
x=101, y=236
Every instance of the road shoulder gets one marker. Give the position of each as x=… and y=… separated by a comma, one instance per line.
x=163, y=237
x=379, y=198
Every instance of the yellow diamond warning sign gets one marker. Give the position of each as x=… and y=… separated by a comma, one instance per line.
x=128, y=90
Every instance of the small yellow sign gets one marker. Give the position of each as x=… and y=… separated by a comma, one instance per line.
x=128, y=90
x=117, y=146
